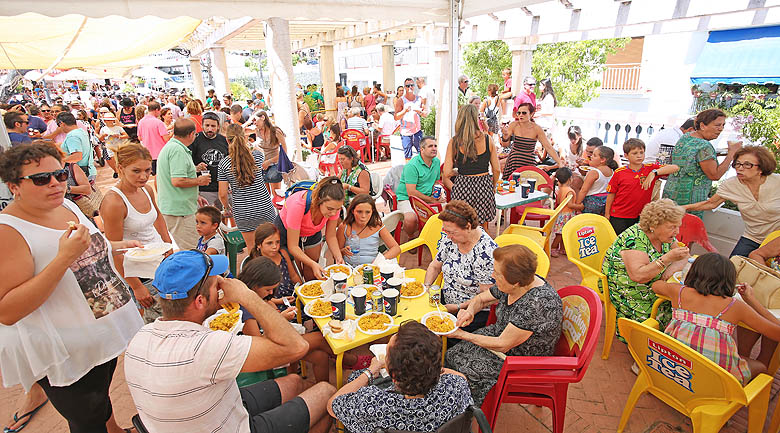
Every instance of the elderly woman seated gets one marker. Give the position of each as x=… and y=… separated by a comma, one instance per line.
x=529, y=314
x=643, y=254
x=465, y=258
x=422, y=397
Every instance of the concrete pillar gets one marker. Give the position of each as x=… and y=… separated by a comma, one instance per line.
x=220, y=71
x=277, y=36
x=328, y=76
x=444, y=120
x=388, y=68
x=197, y=79
x=521, y=66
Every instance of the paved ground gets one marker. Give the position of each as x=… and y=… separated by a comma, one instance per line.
x=594, y=405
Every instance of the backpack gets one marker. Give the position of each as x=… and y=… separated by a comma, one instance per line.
x=492, y=113
x=305, y=185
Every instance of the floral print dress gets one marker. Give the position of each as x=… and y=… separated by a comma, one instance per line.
x=690, y=184
x=633, y=300
x=464, y=273
x=540, y=311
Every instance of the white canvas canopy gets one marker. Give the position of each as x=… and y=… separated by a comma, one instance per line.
x=74, y=74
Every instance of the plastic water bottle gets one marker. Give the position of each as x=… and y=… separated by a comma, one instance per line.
x=354, y=243
x=686, y=268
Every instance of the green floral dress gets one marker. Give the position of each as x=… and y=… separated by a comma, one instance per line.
x=351, y=178
x=690, y=184
x=633, y=300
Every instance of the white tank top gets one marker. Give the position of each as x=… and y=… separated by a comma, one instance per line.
x=139, y=226
x=599, y=185
x=87, y=320
x=410, y=122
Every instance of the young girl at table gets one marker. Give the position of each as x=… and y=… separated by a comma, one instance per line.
x=267, y=244
x=562, y=189
x=362, y=232
x=705, y=313
x=329, y=155
x=262, y=276
x=592, y=197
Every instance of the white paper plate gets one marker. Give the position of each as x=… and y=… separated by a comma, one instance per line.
x=330, y=268
x=357, y=274
x=148, y=253
x=236, y=328
x=309, y=283
x=378, y=331
x=307, y=308
x=677, y=276
x=417, y=296
x=453, y=318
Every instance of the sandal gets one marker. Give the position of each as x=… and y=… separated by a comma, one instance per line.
x=28, y=415
x=363, y=361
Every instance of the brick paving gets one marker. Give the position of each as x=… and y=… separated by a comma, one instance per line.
x=594, y=405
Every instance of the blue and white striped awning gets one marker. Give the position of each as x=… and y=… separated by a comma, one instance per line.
x=742, y=56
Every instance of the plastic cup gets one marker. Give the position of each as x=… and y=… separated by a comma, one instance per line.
x=387, y=272
x=339, y=301
x=516, y=177
x=339, y=281
x=359, y=297
x=525, y=189
x=391, y=301
x=532, y=182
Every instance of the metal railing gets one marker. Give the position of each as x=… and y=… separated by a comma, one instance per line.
x=621, y=78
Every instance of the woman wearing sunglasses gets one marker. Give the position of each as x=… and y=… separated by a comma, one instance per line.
x=66, y=313
x=523, y=133
x=756, y=192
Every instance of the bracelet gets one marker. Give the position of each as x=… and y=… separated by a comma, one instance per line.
x=368, y=374
x=660, y=263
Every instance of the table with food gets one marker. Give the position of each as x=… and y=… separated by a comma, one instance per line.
x=357, y=306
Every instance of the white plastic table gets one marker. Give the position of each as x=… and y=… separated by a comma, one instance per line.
x=505, y=202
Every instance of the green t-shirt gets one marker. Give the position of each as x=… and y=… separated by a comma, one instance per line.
x=417, y=173
x=175, y=160
x=78, y=141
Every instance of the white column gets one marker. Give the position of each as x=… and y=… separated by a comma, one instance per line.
x=285, y=108
x=197, y=79
x=388, y=68
x=328, y=76
x=521, y=65
x=444, y=120
x=219, y=69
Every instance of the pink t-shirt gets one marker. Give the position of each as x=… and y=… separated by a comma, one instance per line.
x=152, y=132
x=293, y=218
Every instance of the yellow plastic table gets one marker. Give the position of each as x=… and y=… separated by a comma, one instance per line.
x=408, y=309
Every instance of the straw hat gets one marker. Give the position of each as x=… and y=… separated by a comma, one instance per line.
x=109, y=116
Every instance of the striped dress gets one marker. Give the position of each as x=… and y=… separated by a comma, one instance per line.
x=710, y=336
x=251, y=204
x=522, y=154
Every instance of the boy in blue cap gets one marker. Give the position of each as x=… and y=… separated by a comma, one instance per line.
x=182, y=375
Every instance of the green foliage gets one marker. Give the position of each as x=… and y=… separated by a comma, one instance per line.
x=759, y=122
x=239, y=91
x=309, y=100
x=483, y=63
x=573, y=67
x=428, y=123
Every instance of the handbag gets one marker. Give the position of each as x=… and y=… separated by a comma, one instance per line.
x=764, y=280
x=88, y=204
x=284, y=164
x=272, y=174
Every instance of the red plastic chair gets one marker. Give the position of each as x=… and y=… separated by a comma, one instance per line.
x=423, y=212
x=356, y=140
x=692, y=231
x=544, y=380
x=388, y=195
x=543, y=180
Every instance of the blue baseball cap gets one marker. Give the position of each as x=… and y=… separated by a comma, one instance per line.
x=180, y=272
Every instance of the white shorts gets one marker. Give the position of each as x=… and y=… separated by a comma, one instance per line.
x=405, y=206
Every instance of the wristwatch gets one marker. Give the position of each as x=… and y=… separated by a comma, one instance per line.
x=368, y=374
x=655, y=172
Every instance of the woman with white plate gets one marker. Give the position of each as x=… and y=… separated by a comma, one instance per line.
x=529, y=314
x=130, y=212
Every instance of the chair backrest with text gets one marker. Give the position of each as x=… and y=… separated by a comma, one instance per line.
x=586, y=238
x=422, y=210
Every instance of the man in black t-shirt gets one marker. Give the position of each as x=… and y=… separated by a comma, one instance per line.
x=210, y=147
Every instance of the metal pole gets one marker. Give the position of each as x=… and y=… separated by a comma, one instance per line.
x=455, y=56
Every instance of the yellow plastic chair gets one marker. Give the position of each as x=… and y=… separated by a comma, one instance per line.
x=771, y=237
x=429, y=237
x=540, y=235
x=688, y=382
x=586, y=238
x=542, y=261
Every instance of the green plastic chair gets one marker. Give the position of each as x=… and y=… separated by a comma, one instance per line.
x=234, y=243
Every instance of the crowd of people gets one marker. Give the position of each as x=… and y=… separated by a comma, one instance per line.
x=184, y=166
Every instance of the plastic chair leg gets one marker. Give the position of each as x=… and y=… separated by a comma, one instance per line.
x=559, y=407
x=757, y=411
x=774, y=425
x=609, y=328
x=639, y=388
x=707, y=423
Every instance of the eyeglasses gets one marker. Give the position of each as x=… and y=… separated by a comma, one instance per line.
x=45, y=111
x=523, y=113
x=747, y=165
x=41, y=179
x=409, y=85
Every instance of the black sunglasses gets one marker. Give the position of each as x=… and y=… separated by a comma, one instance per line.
x=409, y=85
x=41, y=179
x=209, y=266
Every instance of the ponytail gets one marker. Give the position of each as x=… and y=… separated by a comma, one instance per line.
x=609, y=155
x=244, y=167
x=329, y=188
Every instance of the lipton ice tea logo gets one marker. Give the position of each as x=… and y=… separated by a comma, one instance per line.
x=588, y=246
x=670, y=363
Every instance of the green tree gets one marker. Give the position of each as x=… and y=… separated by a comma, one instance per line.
x=574, y=67
x=239, y=91
x=483, y=63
